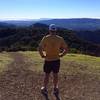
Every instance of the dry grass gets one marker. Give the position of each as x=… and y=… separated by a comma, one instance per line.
x=5, y=59
x=24, y=78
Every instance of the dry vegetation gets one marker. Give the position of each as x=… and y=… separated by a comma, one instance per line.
x=79, y=78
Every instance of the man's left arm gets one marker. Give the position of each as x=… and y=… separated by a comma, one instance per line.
x=64, y=48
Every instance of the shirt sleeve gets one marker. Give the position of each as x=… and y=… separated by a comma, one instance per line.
x=42, y=43
x=63, y=44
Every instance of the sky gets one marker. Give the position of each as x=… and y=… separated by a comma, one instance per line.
x=36, y=9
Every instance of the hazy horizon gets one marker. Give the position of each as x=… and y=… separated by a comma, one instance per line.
x=23, y=19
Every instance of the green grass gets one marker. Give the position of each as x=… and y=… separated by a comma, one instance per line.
x=70, y=64
x=35, y=60
x=5, y=59
x=83, y=63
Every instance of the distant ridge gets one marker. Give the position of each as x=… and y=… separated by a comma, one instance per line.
x=72, y=24
x=6, y=25
x=75, y=23
x=85, y=28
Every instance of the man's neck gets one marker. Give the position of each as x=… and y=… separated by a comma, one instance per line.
x=52, y=34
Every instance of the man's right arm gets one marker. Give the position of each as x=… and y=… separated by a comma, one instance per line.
x=41, y=48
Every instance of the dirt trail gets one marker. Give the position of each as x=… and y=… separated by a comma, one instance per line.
x=21, y=83
x=18, y=82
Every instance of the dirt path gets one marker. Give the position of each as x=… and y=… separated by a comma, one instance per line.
x=18, y=82
x=21, y=83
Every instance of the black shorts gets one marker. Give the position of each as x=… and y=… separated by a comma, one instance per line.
x=52, y=66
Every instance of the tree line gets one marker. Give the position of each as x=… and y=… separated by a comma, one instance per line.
x=28, y=38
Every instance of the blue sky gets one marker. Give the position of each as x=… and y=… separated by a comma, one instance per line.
x=34, y=9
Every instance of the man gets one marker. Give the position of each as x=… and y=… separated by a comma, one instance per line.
x=51, y=48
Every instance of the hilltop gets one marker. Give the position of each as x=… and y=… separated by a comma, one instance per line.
x=21, y=77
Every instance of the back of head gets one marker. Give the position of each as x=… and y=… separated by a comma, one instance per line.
x=52, y=27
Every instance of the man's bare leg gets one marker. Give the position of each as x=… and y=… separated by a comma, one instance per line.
x=55, y=80
x=46, y=81
x=56, y=90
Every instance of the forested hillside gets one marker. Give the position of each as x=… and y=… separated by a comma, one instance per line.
x=28, y=38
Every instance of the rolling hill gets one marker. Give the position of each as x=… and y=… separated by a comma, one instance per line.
x=28, y=38
x=6, y=25
x=85, y=28
x=75, y=23
x=91, y=36
x=71, y=24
